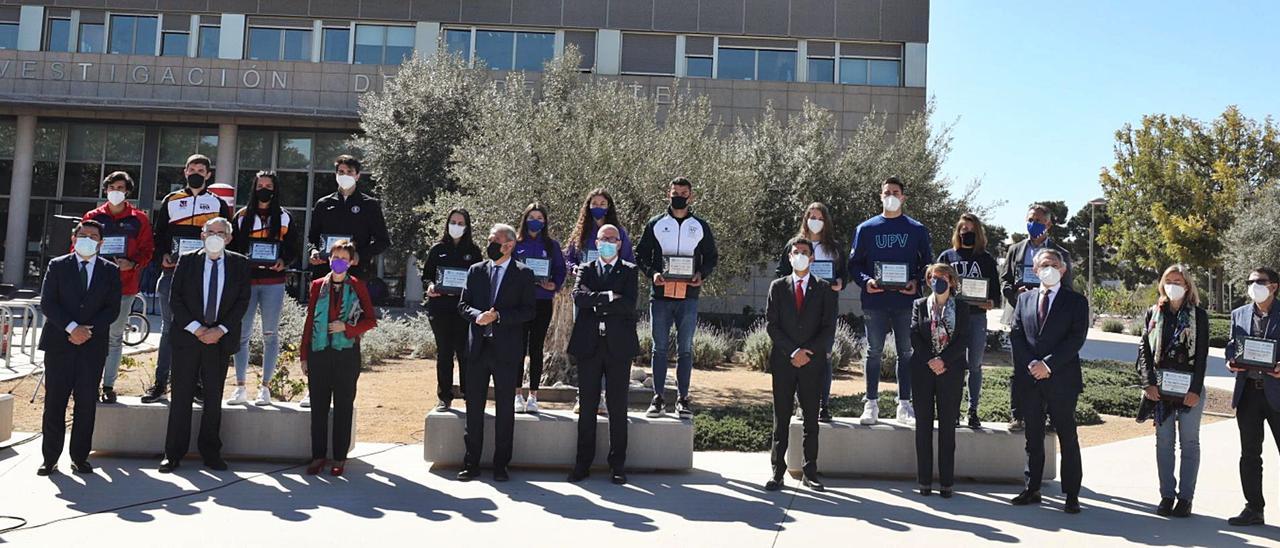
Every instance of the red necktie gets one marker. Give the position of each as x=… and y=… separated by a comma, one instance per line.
x=1044, y=307
x=799, y=295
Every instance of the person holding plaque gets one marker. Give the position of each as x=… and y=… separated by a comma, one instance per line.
x=817, y=227
x=979, y=290
x=446, y=266
x=1251, y=355
x=177, y=227
x=542, y=254
x=940, y=340
x=270, y=238
x=348, y=214
x=678, y=252
x=1171, y=361
x=888, y=258
x=127, y=241
x=1019, y=276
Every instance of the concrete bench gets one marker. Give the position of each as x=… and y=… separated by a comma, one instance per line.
x=277, y=432
x=549, y=439
x=888, y=449
x=6, y=416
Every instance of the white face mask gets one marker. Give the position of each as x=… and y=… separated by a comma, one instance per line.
x=1049, y=276
x=86, y=247
x=800, y=263
x=115, y=197
x=1175, y=292
x=891, y=203
x=346, y=182
x=815, y=225
x=214, y=244
x=1259, y=293
x=456, y=231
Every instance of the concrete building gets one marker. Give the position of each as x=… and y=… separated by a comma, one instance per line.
x=91, y=86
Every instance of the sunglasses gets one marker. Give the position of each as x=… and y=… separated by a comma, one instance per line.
x=1259, y=281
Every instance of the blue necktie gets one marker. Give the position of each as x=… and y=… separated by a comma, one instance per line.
x=493, y=285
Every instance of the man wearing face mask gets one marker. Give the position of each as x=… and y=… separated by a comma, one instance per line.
x=497, y=301
x=80, y=297
x=1017, y=276
x=891, y=238
x=1256, y=398
x=1050, y=326
x=210, y=296
x=126, y=232
x=179, y=220
x=352, y=215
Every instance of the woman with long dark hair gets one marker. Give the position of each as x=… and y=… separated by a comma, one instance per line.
x=534, y=242
x=597, y=210
x=454, y=250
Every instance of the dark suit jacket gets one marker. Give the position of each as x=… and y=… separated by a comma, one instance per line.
x=1011, y=273
x=1058, y=343
x=955, y=355
x=813, y=327
x=1242, y=326
x=63, y=300
x=515, y=306
x=593, y=306
x=186, y=299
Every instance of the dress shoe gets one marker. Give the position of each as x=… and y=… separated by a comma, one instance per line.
x=82, y=467
x=1166, y=507
x=1183, y=509
x=442, y=405
x=108, y=395
x=974, y=422
x=167, y=466
x=1073, y=505
x=154, y=394
x=813, y=483
x=216, y=464
x=578, y=475
x=47, y=469
x=1016, y=425
x=824, y=414
x=1248, y=516
x=618, y=477
x=338, y=469
x=946, y=492
x=925, y=490
x=315, y=467
x=1025, y=498
x=500, y=474
x=774, y=484
x=468, y=474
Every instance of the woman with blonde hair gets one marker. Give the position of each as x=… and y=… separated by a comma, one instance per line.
x=969, y=257
x=939, y=340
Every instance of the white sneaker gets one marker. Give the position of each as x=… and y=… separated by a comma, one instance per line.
x=577, y=405
x=306, y=400
x=906, y=415
x=602, y=409
x=519, y=403
x=870, y=413
x=531, y=404
x=239, y=397
x=264, y=397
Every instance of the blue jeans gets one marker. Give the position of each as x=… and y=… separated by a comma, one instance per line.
x=164, y=354
x=977, y=348
x=269, y=299
x=879, y=323
x=1187, y=424
x=683, y=313
x=115, y=342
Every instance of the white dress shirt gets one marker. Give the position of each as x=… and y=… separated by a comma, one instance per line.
x=209, y=270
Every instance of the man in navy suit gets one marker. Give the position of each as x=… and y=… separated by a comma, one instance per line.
x=80, y=297
x=497, y=301
x=1050, y=326
x=1257, y=394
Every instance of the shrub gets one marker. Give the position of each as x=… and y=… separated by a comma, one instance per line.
x=756, y=347
x=396, y=337
x=1136, y=328
x=283, y=387
x=889, y=360
x=1219, y=332
x=997, y=340
x=847, y=348
x=712, y=347
x=734, y=429
x=1112, y=325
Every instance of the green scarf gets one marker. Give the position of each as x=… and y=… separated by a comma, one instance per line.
x=349, y=312
x=1184, y=332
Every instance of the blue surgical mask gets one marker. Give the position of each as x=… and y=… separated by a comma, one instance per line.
x=1035, y=229
x=940, y=286
x=598, y=213
x=534, y=225
x=608, y=250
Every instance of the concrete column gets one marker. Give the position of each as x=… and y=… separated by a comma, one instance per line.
x=15, y=243
x=226, y=160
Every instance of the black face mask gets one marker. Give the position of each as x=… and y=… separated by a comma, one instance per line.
x=195, y=181
x=968, y=239
x=494, y=251
x=679, y=202
x=264, y=194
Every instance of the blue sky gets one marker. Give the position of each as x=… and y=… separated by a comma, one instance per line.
x=1038, y=89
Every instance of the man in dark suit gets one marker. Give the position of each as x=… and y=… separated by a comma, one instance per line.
x=80, y=297
x=1049, y=328
x=1257, y=393
x=800, y=318
x=498, y=300
x=604, y=342
x=210, y=295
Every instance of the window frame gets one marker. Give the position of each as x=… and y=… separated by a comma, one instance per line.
x=756, y=62
x=348, y=50
x=284, y=32
x=48, y=35
x=185, y=51
x=109, y=29
x=355, y=31
x=102, y=44
x=473, y=31
x=200, y=36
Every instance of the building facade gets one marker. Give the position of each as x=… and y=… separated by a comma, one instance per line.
x=92, y=86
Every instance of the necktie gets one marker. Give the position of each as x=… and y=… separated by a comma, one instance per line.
x=607, y=270
x=799, y=295
x=211, y=298
x=1044, y=308
x=84, y=274
x=493, y=284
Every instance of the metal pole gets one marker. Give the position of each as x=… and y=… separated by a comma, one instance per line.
x=1092, y=220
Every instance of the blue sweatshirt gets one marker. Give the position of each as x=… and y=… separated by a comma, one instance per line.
x=530, y=248
x=899, y=240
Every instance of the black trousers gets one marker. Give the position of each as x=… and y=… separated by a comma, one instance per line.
x=77, y=371
x=936, y=396
x=789, y=383
x=1061, y=408
x=209, y=364
x=613, y=372
x=332, y=375
x=450, y=331
x=1253, y=411
x=535, y=336
x=505, y=378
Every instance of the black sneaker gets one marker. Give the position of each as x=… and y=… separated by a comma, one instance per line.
x=155, y=393
x=108, y=395
x=657, y=407
x=974, y=422
x=1183, y=509
x=683, y=408
x=1247, y=517
x=1165, y=508
x=824, y=414
x=443, y=405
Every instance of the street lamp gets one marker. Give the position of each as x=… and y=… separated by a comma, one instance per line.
x=1093, y=204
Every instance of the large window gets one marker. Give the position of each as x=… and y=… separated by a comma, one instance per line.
x=58, y=35
x=458, y=42
x=91, y=38
x=176, y=144
x=8, y=36
x=209, y=38
x=874, y=72
x=697, y=66
x=337, y=42
x=133, y=35
x=383, y=45
x=174, y=44
x=503, y=50
x=276, y=44
x=757, y=64
x=93, y=151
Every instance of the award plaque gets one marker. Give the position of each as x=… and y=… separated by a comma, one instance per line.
x=1173, y=384
x=330, y=239
x=590, y=256
x=974, y=290
x=1255, y=353
x=264, y=252
x=677, y=268
x=114, y=246
x=182, y=246
x=451, y=281
x=892, y=275
x=541, y=268
x=823, y=269
x=1029, y=276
